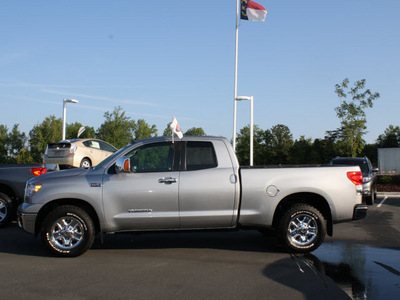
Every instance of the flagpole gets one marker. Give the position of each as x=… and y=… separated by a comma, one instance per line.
x=235, y=84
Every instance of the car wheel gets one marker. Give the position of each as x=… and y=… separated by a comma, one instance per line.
x=370, y=200
x=302, y=228
x=68, y=231
x=86, y=163
x=6, y=209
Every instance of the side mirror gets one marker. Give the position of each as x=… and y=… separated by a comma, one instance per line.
x=375, y=170
x=123, y=165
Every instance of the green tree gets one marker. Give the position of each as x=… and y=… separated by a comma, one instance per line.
x=301, y=152
x=390, y=138
x=142, y=130
x=49, y=131
x=352, y=114
x=195, y=131
x=72, y=131
x=243, y=146
x=3, y=144
x=24, y=157
x=280, y=140
x=167, y=130
x=117, y=128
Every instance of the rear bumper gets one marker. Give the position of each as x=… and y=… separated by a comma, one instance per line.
x=360, y=211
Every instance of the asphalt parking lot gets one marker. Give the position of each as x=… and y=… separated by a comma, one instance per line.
x=359, y=262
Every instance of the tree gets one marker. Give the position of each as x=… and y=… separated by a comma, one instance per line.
x=49, y=131
x=167, y=130
x=301, y=152
x=117, y=128
x=243, y=145
x=72, y=131
x=390, y=138
x=352, y=114
x=195, y=131
x=142, y=130
x=280, y=140
x=3, y=144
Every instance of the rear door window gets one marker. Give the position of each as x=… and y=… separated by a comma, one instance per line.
x=200, y=155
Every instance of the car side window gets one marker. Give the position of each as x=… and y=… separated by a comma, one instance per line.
x=200, y=155
x=92, y=144
x=158, y=157
x=106, y=147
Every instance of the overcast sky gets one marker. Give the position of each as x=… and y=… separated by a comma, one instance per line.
x=161, y=58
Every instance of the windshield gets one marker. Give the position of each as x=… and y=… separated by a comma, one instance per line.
x=110, y=158
x=353, y=162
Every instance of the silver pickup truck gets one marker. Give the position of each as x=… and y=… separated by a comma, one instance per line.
x=193, y=183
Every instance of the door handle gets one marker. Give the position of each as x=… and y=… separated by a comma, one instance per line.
x=167, y=180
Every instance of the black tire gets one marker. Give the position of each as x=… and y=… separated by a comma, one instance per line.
x=7, y=209
x=370, y=200
x=302, y=229
x=86, y=163
x=68, y=231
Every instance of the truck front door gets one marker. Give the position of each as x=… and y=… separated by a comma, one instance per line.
x=146, y=198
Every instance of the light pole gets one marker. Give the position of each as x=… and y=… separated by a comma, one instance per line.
x=65, y=101
x=241, y=98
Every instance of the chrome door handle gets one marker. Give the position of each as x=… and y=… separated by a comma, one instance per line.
x=167, y=180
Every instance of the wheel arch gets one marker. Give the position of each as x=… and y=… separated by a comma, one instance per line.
x=5, y=189
x=89, y=209
x=312, y=199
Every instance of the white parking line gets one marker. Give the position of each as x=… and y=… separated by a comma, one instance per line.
x=380, y=204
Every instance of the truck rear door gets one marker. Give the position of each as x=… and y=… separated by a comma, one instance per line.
x=207, y=186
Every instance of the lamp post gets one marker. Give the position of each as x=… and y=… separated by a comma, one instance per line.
x=242, y=98
x=65, y=101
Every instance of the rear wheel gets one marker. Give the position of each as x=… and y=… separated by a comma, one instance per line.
x=6, y=209
x=302, y=228
x=86, y=163
x=68, y=231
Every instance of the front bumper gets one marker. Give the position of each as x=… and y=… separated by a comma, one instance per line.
x=360, y=211
x=27, y=219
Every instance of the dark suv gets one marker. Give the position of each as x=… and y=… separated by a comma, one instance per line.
x=369, y=175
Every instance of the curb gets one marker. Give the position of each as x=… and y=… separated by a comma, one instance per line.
x=389, y=194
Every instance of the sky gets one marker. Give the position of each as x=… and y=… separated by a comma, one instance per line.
x=158, y=59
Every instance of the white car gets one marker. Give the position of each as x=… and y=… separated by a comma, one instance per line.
x=78, y=153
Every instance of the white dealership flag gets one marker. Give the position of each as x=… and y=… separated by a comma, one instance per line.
x=176, y=128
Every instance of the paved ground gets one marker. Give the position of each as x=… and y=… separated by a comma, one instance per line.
x=204, y=265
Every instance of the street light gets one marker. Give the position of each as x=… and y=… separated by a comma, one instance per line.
x=65, y=101
x=242, y=98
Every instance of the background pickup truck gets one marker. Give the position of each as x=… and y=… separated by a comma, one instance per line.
x=12, y=184
x=194, y=183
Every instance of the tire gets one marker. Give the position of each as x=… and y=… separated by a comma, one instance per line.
x=68, y=231
x=86, y=163
x=370, y=200
x=302, y=229
x=7, y=210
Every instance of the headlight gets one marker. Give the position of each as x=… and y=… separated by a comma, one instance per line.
x=32, y=189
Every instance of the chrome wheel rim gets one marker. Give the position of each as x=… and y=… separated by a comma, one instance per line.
x=3, y=210
x=86, y=164
x=302, y=230
x=66, y=233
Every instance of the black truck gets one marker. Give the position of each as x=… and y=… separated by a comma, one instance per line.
x=13, y=178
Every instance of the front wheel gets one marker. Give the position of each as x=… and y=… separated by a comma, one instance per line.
x=302, y=228
x=68, y=231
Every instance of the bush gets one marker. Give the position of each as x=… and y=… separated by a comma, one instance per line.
x=385, y=179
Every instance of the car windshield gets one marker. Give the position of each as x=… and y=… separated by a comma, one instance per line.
x=353, y=162
x=110, y=158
